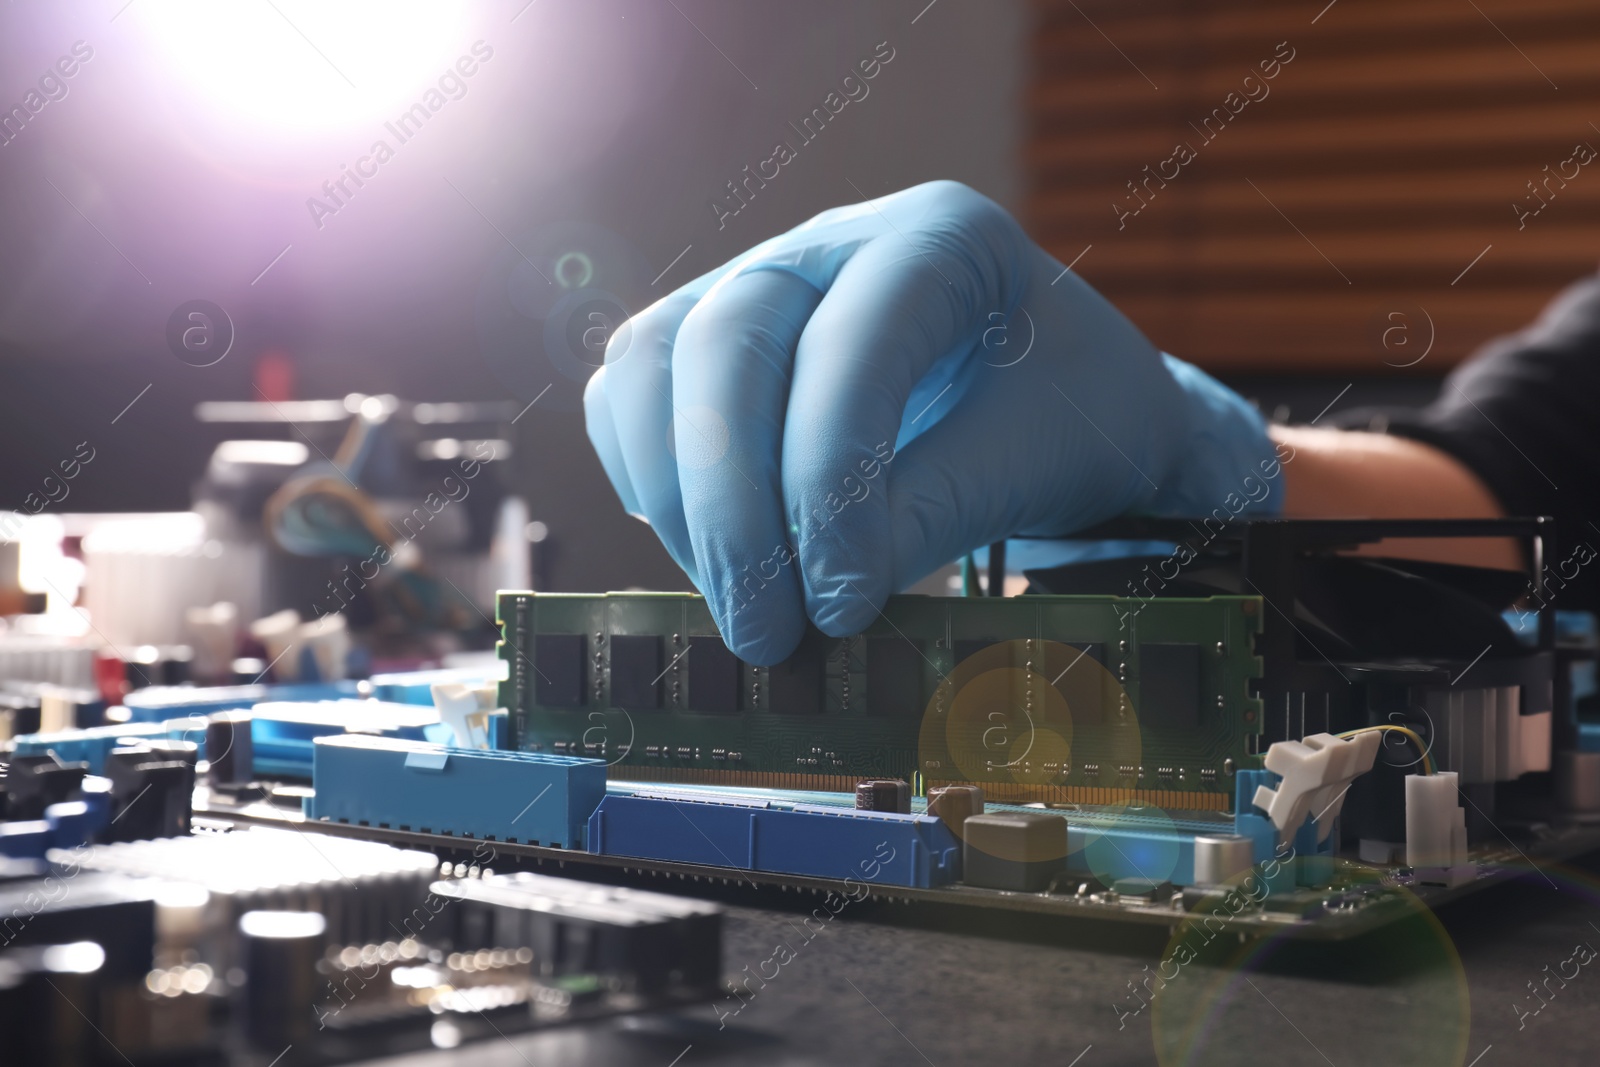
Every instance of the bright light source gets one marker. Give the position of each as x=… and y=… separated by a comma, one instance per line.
x=79, y=957
x=304, y=65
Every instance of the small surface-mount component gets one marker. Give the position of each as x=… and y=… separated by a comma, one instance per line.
x=795, y=686
x=1169, y=686
x=713, y=675
x=559, y=669
x=636, y=670
x=884, y=794
x=1148, y=890
x=1014, y=850
x=896, y=677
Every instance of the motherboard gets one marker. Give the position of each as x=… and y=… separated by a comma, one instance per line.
x=327, y=870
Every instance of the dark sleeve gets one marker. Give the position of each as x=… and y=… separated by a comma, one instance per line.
x=1524, y=415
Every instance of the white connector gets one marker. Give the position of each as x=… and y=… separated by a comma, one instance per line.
x=328, y=638
x=1436, y=829
x=278, y=633
x=465, y=709
x=1316, y=772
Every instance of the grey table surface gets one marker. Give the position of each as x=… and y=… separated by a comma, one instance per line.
x=893, y=985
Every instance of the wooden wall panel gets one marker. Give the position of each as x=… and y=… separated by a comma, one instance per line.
x=1380, y=162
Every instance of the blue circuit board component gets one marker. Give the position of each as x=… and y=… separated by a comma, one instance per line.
x=521, y=797
x=816, y=840
x=161, y=702
x=1108, y=844
x=88, y=746
x=282, y=733
x=65, y=825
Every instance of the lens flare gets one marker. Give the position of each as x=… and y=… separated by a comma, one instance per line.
x=303, y=65
x=1214, y=993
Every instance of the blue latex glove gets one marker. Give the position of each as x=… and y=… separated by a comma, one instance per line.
x=847, y=407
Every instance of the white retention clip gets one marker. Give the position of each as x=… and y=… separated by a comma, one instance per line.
x=1316, y=772
x=465, y=709
x=1436, y=828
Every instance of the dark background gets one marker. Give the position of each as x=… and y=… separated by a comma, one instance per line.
x=621, y=115
x=141, y=190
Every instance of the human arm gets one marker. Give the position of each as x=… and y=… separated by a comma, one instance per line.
x=1354, y=474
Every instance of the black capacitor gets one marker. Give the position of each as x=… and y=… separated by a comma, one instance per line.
x=174, y=664
x=884, y=794
x=279, y=950
x=142, y=667
x=955, y=804
x=24, y=712
x=229, y=749
x=48, y=994
x=33, y=783
x=1015, y=850
x=88, y=708
x=114, y=912
x=152, y=789
x=170, y=748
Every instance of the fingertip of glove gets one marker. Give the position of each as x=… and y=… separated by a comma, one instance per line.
x=847, y=609
x=760, y=637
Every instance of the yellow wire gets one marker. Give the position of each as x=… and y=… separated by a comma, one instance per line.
x=1416, y=739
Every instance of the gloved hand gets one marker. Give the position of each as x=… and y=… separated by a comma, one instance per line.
x=847, y=407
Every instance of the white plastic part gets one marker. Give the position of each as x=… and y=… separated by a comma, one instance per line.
x=214, y=633
x=1316, y=772
x=278, y=632
x=1436, y=827
x=465, y=709
x=329, y=641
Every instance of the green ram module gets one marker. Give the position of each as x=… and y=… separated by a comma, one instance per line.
x=1065, y=699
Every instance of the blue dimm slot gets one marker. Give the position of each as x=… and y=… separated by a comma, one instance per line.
x=521, y=797
x=819, y=841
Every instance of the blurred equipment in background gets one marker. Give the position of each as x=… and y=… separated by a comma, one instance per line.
x=342, y=537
